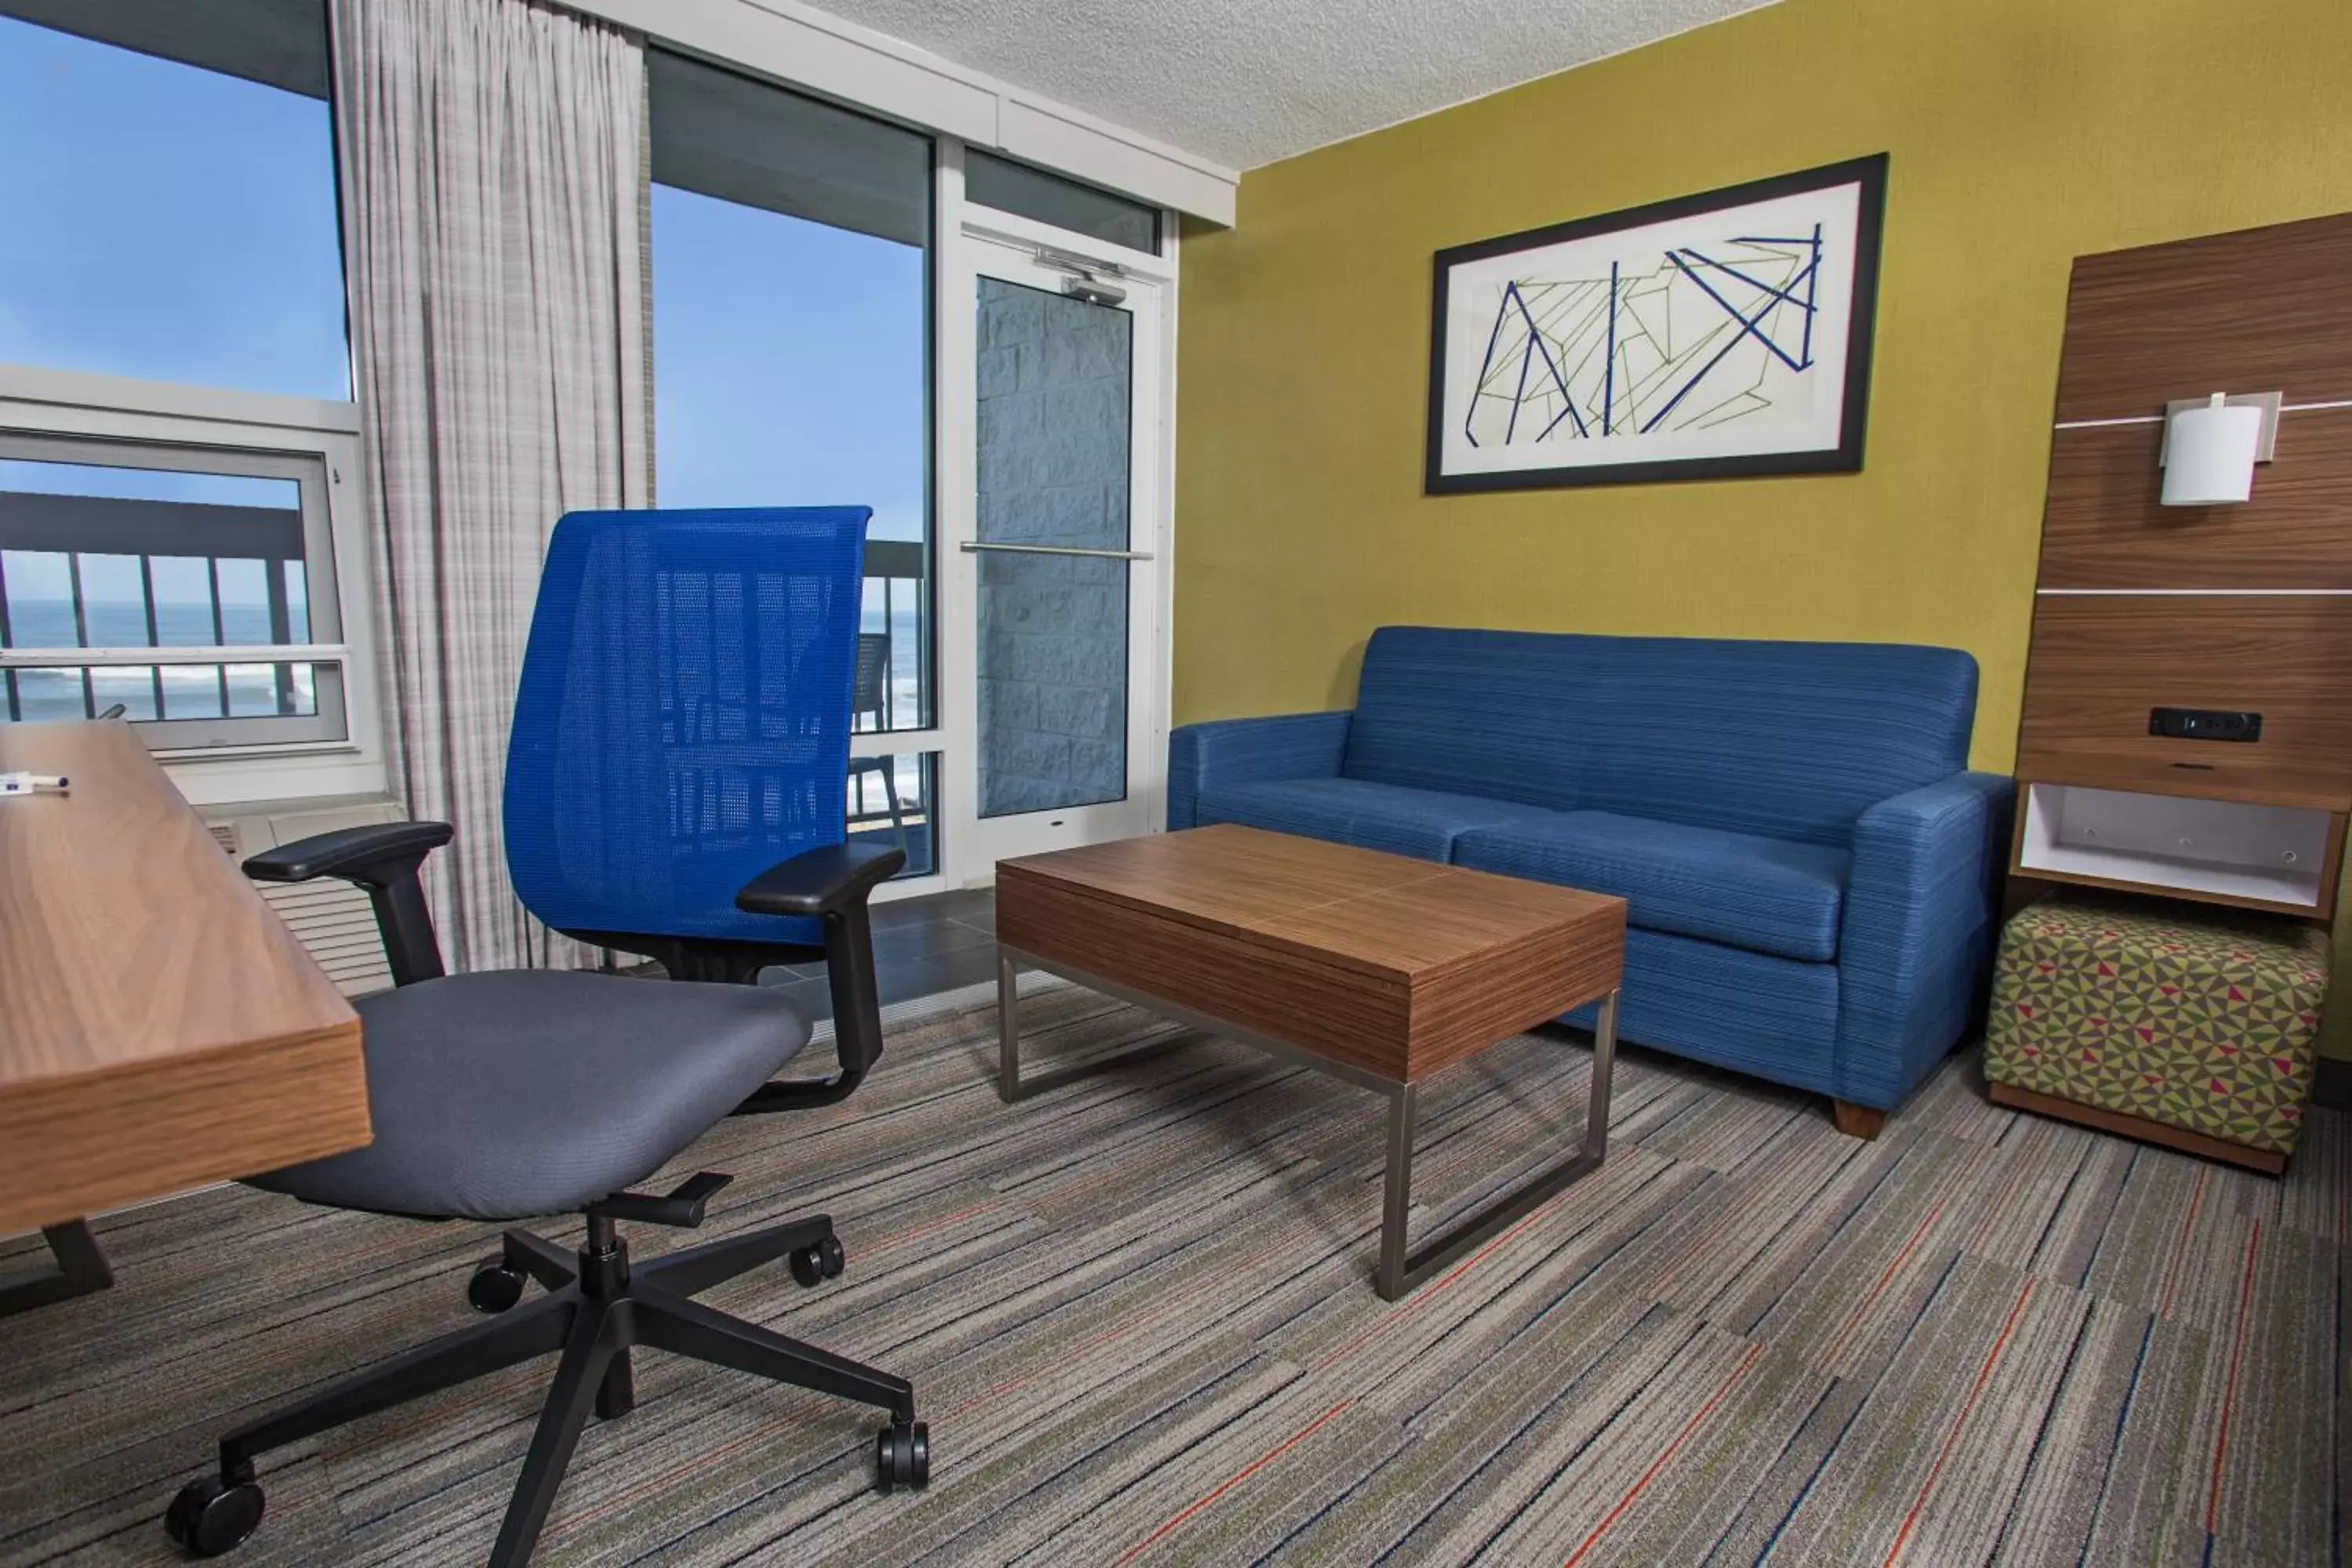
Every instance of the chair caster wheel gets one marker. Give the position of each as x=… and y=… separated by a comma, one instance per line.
x=494, y=1287
x=210, y=1516
x=902, y=1456
x=815, y=1265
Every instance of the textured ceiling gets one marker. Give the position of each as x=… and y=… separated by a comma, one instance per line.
x=1247, y=81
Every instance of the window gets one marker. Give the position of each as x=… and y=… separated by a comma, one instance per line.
x=168, y=185
x=792, y=363
x=124, y=567
x=990, y=181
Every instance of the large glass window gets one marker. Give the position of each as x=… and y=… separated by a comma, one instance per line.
x=790, y=245
x=791, y=308
x=167, y=192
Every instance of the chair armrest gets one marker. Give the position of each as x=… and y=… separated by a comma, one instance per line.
x=821, y=881
x=1250, y=751
x=371, y=856
x=832, y=883
x=384, y=859
x=1920, y=914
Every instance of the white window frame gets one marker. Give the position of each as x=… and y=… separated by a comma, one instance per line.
x=40, y=402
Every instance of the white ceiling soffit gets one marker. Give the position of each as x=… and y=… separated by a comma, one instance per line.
x=280, y=42
x=839, y=59
x=1248, y=81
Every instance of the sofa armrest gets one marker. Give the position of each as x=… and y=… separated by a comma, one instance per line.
x=1919, y=923
x=1248, y=750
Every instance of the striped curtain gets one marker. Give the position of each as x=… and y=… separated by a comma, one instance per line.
x=496, y=246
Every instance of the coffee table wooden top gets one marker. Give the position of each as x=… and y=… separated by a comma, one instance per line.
x=1396, y=964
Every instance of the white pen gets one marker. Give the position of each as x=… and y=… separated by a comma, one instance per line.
x=26, y=784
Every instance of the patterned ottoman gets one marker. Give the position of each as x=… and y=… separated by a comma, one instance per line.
x=2186, y=1027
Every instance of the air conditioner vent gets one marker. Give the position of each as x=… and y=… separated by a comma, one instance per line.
x=334, y=919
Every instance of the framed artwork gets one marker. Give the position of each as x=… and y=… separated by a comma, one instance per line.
x=1710, y=336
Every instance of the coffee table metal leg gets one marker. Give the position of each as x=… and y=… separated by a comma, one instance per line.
x=1009, y=1084
x=1008, y=1029
x=1396, y=1206
x=1402, y=1268
x=1604, y=1060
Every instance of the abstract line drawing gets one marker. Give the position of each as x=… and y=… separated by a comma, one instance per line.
x=1712, y=335
x=1690, y=345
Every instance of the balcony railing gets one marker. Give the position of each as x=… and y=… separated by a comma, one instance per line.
x=102, y=602
x=897, y=606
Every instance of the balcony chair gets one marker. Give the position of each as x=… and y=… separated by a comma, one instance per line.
x=714, y=735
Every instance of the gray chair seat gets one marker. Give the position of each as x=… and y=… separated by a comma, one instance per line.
x=492, y=1093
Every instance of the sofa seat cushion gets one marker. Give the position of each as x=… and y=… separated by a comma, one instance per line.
x=1423, y=823
x=1767, y=894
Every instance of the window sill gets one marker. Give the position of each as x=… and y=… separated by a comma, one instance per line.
x=235, y=776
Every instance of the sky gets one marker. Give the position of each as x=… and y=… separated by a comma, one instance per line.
x=173, y=223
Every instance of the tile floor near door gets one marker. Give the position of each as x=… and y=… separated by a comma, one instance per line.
x=922, y=947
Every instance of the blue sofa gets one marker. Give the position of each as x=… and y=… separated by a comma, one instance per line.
x=1808, y=866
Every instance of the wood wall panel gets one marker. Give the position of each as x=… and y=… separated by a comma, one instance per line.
x=2099, y=663
x=2104, y=525
x=2265, y=309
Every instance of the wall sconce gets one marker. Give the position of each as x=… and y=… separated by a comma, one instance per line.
x=2212, y=444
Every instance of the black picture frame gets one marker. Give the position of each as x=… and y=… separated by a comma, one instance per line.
x=1867, y=174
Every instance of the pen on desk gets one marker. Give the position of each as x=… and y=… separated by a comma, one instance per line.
x=26, y=784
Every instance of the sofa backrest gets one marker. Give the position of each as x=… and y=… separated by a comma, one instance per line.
x=1790, y=739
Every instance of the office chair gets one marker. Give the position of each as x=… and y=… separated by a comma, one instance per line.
x=869, y=696
x=511, y=1094
x=649, y=772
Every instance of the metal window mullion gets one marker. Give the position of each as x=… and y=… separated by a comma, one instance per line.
x=154, y=635
x=220, y=629
x=66, y=656
x=8, y=639
x=281, y=631
x=81, y=632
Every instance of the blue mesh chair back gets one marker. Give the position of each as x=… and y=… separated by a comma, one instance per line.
x=683, y=721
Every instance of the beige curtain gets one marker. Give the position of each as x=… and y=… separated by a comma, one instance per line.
x=497, y=253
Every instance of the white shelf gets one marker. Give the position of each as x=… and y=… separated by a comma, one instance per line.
x=2221, y=848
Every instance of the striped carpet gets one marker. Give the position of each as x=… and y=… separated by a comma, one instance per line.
x=1139, y=1317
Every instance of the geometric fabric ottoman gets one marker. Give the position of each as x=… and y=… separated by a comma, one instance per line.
x=2173, y=1023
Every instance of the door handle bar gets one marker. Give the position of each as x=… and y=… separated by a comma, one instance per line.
x=973, y=547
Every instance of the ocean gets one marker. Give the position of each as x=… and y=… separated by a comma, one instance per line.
x=195, y=692
x=189, y=691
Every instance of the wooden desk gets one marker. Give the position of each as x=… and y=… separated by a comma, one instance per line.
x=160, y=1027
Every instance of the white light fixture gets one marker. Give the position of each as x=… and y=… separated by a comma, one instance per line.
x=2210, y=447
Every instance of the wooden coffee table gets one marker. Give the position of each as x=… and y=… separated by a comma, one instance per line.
x=1375, y=968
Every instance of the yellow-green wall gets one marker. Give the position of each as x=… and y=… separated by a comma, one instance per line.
x=2023, y=133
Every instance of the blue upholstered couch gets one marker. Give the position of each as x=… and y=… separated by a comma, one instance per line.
x=1808, y=867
